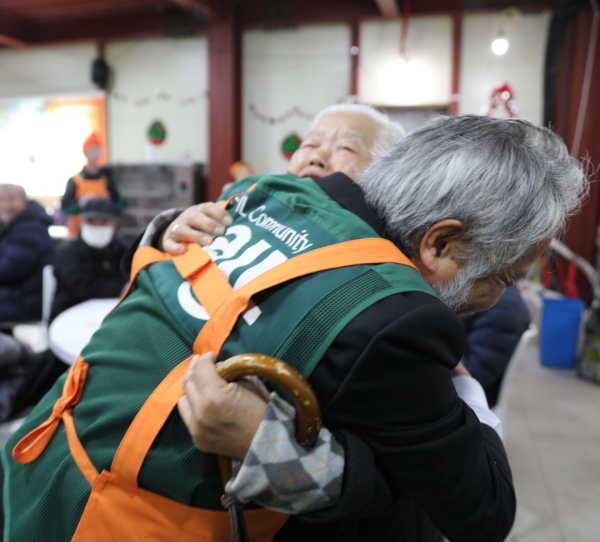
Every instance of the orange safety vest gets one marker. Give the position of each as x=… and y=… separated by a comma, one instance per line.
x=86, y=187
x=118, y=509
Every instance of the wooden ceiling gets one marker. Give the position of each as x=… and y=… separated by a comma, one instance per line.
x=37, y=22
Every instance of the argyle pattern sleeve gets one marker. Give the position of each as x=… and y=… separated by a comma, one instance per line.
x=280, y=474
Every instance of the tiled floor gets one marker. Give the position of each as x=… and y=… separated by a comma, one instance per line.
x=551, y=422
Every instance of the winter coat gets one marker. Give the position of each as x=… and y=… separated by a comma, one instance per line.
x=83, y=272
x=25, y=248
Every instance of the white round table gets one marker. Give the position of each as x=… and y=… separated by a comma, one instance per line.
x=72, y=329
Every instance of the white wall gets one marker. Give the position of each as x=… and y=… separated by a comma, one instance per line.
x=522, y=66
x=147, y=70
x=426, y=79
x=47, y=71
x=307, y=67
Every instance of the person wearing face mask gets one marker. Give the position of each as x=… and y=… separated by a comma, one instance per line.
x=87, y=267
x=92, y=181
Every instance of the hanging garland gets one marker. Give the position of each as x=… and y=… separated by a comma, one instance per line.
x=281, y=118
x=158, y=96
x=502, y=95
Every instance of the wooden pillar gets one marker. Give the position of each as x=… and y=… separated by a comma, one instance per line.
x=225, y=95
x=355, y=54
x=456, y=54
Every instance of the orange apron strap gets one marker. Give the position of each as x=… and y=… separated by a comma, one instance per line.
x=196, y=266
x=151, y=417
x=143, y=257
x=30, y=447
x=361, y=251
x=191, y=265
x=225, y=203
x=147, y=424
x=77, y=451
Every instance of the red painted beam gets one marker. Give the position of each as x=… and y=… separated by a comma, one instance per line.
x=11, y=42
x=136, y=23
x=456, y=56
x=388, y=8
x=267, y=13
x=196, y=7
x=9, y=30
x=225, y=96
x=355, y=57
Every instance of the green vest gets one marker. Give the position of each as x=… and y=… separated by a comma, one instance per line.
x=154, y=329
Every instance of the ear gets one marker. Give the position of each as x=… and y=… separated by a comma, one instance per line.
x=440, y=250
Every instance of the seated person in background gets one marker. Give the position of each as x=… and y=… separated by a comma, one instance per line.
x=24, y=376
x=92, y=181
x=492, y=336
x=239, y=170
x=25, y=248
x=87, y=267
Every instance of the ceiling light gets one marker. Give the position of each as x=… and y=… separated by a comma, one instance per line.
x=500, y=45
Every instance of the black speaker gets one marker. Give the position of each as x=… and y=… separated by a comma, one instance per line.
x=100, y=73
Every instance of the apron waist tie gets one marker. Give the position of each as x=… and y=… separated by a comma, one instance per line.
x=31, y=446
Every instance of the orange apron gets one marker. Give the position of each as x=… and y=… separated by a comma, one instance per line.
x=85, y=187
x=118, y=509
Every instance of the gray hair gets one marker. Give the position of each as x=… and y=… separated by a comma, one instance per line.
x=511, y=182
x=18, y=187
x=389, y=131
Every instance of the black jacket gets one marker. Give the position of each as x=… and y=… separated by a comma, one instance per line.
x=415, y=452
x=83, y=272
x=25, y=248
x=492, y=337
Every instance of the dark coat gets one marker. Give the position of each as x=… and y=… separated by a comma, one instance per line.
x=83, y=272
x=492, y=336
x=25, y=248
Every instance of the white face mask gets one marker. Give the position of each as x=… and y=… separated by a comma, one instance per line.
x=97, y=236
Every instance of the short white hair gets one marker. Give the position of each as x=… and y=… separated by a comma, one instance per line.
x=389, y=131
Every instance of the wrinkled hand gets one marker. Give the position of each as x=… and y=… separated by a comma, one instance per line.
x=222, y=417
x=460, y=370
x=197, y=224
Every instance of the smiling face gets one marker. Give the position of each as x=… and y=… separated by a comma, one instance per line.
x=341, y=142
x=12, y=202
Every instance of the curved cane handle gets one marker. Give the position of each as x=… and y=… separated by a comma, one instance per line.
x=289, y=380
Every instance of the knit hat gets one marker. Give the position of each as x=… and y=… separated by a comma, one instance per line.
x=97, y=208
x=92, y=141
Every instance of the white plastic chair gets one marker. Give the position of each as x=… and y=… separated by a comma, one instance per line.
x=36, y=335
x=529, y=337
x=48, y=289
